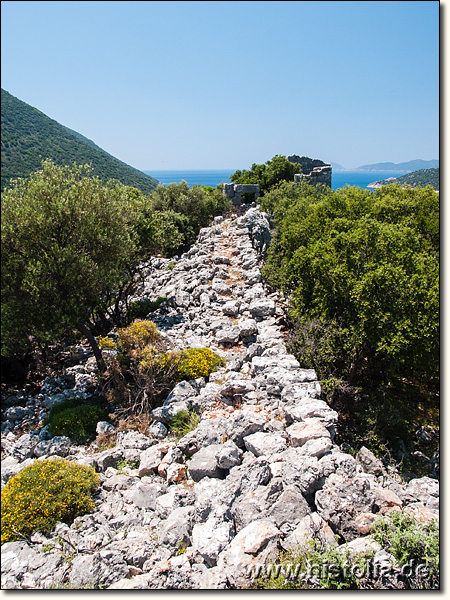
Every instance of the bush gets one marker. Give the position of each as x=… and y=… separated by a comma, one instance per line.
x=76, y=420
x=364, y=267
x=197, y=362
x=412, y=543
x=106, y=343
x=138, y=335
x=140, y=376
x=141, y=308
x=315, y=567
x=184, y=422
x=44, y=493
x=67, y=240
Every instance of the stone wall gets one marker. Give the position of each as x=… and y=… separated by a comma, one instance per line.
x=313, y=170
x=261, y=472
x=235, y=191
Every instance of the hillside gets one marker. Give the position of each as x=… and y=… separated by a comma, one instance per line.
x=412, y=165
x=420, y=178
x=29, y=136
x=234, y=466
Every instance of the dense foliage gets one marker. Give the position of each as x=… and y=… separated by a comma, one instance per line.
x=412, y=543
x=362, y=272
x=28, y=136
x=76, y=419
x=269, y=174
x=44, y=493
x=186, y=209
x=67, y=240
x=72, y=247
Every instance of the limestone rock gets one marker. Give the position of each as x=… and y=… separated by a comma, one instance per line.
x=204, y=463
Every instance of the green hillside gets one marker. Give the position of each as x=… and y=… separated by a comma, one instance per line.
x=420, y=178
x=28, y=136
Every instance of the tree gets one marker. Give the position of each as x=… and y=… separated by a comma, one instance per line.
x=187, y=209
x=67, y=240
x=268, y=175
x=72, y=249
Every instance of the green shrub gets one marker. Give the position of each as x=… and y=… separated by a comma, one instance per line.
x=197, y=362
x=412, y=543
x=314, y=567
x=44, y=493
x=184, y=422
x=76, y=420
x=141, y=308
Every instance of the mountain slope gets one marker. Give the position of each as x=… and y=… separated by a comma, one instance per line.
x=420, y=178
x=412, y=165
x=28, y=136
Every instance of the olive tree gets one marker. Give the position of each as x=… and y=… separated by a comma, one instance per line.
x=67, y=241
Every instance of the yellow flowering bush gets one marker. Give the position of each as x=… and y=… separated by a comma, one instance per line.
x=106, y=343
x=197, y=362
x=144, y=371
x=44, y=493
x=138, y=335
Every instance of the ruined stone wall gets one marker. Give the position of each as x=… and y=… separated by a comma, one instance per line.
x=313, y=170
x=235, y=191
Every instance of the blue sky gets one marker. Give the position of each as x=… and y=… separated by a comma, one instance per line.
x=206, y=85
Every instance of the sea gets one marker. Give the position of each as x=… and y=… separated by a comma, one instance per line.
x=339, y=179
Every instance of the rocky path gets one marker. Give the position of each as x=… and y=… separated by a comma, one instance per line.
x=260, y=473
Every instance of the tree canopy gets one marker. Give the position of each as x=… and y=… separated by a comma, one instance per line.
x=269, y=174
x=71, y=247
x=361, y=269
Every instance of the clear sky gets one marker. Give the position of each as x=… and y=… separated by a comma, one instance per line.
x=209, y=85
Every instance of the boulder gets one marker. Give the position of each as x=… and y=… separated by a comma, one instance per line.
x=309, y=408
x=245, y=423
x=151, y=459
x=177, y=528
x=211, y=537
x=58, y=446
x=369, y=462
x=99, y=569
x=104, y=427
x=134, y=440
x=341, y=500
x=145, y=495
x=311, y=527
x=265, y=444
x=289, y=509
x=262, y=308
x=229, y=455
x=204, y=463
x=24, y=447
x=302, y=432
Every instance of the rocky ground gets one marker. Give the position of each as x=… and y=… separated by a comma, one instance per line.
x=261, y=472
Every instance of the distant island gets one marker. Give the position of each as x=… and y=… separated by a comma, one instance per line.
x=28, y=136
x=419, y=178
x=412, y=165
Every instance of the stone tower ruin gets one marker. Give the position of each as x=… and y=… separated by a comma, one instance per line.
x=313, y=170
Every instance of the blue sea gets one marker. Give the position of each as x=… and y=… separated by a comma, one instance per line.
x=339, y=179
